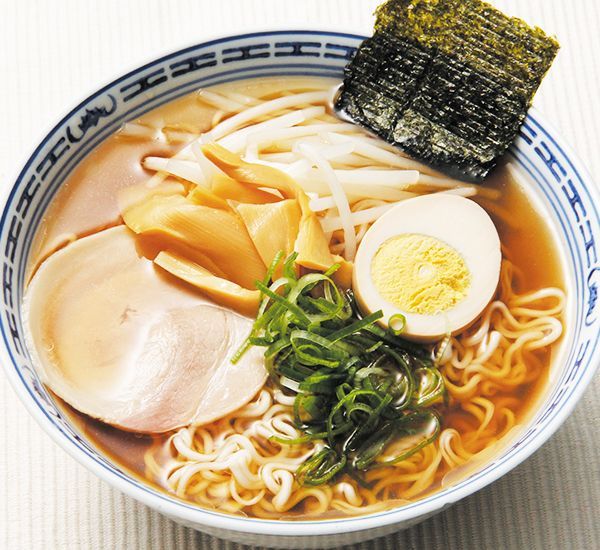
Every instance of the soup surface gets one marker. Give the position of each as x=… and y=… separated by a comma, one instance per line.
x=478, y=418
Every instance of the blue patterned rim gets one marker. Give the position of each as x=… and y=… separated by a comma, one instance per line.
x=566, y=191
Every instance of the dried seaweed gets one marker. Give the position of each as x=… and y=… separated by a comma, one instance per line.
x=447, y=81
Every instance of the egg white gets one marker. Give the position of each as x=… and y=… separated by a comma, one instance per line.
x=459, y=223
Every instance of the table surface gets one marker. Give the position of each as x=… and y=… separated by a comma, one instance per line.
x=51, y=54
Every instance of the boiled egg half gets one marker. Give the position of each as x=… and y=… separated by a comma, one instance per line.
x=431, y=264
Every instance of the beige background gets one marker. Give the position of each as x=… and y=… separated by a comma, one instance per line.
x=54, y=52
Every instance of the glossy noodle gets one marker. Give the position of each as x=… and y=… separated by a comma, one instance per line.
x=233, y=463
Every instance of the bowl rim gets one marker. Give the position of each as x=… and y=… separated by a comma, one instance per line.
x=197, y=516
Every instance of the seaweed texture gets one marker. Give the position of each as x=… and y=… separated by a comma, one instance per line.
x=447, y=81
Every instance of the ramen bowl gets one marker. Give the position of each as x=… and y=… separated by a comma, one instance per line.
x=555, y=179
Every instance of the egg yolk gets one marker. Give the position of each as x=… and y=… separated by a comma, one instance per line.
x=420, y=274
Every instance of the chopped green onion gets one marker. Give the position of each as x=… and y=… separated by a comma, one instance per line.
x=361, y=389
x=272, y=267
x=293, y=308
x=321, y=467
x=397, y=323
x=430, y=387
x=356, y=326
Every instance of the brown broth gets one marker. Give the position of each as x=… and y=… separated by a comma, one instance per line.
x=87, y=203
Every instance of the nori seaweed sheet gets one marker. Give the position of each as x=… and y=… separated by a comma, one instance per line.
x=447, y=81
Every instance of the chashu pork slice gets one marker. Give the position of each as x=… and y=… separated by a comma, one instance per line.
x=117, y=339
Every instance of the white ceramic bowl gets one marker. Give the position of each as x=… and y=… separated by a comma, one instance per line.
x=564, y=191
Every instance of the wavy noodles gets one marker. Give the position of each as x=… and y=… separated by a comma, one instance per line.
x=232, y=465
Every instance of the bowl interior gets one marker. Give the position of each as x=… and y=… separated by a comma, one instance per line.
x=563, y=190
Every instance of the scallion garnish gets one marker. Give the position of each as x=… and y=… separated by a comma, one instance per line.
x=396, y=324
x=363, y=390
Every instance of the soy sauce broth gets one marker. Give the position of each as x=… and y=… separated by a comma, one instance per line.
x=87, y=203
